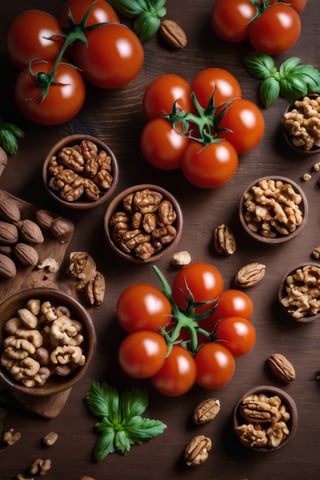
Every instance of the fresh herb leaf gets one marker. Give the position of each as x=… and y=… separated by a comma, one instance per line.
x=146, y=25
x=129, y=8
x=9, y=135
x=288, y=65
x=121, y=424
x=269, y=91
x=259, y=65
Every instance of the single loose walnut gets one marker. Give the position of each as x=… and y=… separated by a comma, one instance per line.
x=206, y=411
x=50, y=439
x=224, y=240
x=281, y=367
x=173, y=34
x=250, y=274
x=197, y=451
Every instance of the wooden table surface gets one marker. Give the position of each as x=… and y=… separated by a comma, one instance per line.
x=116, y=117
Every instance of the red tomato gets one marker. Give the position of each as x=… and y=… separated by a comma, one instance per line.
x=230, y=19
x=218, y=80
x=215, y=365
x=111, y=67
x=209, y=166
x=237, y=334
x=33, y=34
x=203, y=280
x=161, y=145
x=276, y=30
x=162, y=92
x=178, y=374
x=142, y=307
x=100, y=12
x=246, y=124
x=63, y=101
x=233, y=302
x=142, y=354
x=298, y=5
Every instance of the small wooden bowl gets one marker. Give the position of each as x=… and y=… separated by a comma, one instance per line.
x=280, y=238
x=82, y=203
x=282, y=292
x=286, y=135
x=286, y=400
x=55, y=383
x=116, y=205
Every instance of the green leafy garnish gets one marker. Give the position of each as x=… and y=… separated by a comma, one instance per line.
x=291, y=81
x=147, y=15
x=9, y=135
x=122, y=424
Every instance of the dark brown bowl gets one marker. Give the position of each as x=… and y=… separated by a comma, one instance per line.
x=299, y=312
x=289, y=139
x=55, y=383
x=116, y=205
x=279, y=238
x=83, y=202
x=286, y=400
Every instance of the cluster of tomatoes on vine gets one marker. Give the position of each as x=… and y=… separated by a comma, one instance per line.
x=271, y=26
x=200, y=127
x=56, y=55
x=187, y=334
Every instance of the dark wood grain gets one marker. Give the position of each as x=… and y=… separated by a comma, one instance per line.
x=116, y=117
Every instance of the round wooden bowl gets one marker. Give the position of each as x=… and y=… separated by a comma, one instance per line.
x=116, y=205
x=286, y=400
x=307, y=317
x=256, y=235
x=83, y=203
x=55, y=383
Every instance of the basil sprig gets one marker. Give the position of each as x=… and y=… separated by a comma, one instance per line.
x=291, y=80
x=122, y=424
x=147, y=15
x=9, y=135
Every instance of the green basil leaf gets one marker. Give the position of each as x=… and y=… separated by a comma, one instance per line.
x=288, y=65
x=259, y=65
x=291, y=88
x=8, y=142
x=269, y=91
x=103, y=400
x=130, y=8
x=146, y=25
x=144, y=430
x=133, y=402
x=104, y=445
x=122, y=442
x=310, y=74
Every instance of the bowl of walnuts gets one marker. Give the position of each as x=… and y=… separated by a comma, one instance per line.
x=143, y=223
x=80, y=172
x=47, y=341
x=273, y=209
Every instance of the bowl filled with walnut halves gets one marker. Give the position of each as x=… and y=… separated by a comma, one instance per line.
x=47, y=341
x=80, y=171
x=265, y=418
x=299, y=292
x=273, y=209
x=142, y=223
x=301, y=124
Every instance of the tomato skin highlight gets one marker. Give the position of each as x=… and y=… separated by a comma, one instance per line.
x=142, y=307
x=230, y=19
x=246, y=124
x=276, y=30
x=141, y=354
x=178, y=374
x=62, y=102
x=161, y=145
x=28, y=37
x=233, y=302
x=111, y=67
x=237, y=334
x=209, y=166
x=215, y=365
x=100, y=11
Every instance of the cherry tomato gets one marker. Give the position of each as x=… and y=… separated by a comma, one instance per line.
x=276, y=30
x=218, y=80
x=210, y=166
x=33, y=34
x=142, y=307
x=111, y=67
x=100, y=11
x=142, y=354
x=63, y=101
x=298, y=5
x=233, y=302
x=237, y=334
x=162, y=92
x=161, y=145
x=178, y=374
x=215, y=365
x=203, y=280
x=230, y=19
x=246, y=124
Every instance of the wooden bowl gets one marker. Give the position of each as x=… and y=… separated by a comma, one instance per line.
x=55, y=383
x=301, y=314
x=286, y=400
x=257, y=234
x=85, y=201
x=117, y=205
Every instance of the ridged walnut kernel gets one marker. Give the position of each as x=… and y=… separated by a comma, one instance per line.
x=281, y=367
x=173, y=34
x=197, y=451
x=206, y=411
